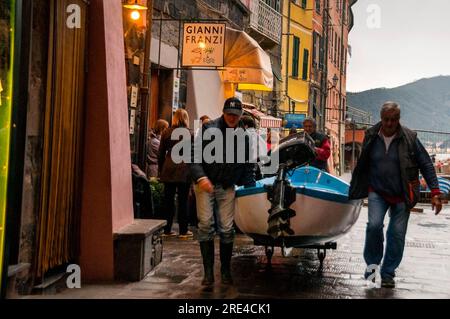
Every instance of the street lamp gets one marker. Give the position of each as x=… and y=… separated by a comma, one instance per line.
x=351, y=122
x=136, y=7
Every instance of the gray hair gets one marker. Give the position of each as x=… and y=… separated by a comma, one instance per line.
x=310, y=119
x=389, y=106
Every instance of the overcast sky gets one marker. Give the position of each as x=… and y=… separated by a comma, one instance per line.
x=410, y=40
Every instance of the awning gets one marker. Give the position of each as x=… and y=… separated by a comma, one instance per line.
x=265, y=121
x=245, y=62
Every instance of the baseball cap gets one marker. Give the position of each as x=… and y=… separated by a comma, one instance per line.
x=233, y=106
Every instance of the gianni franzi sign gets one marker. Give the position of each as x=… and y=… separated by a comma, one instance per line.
x=203, y=44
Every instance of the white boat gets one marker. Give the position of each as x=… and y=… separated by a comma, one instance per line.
x=300, y=207
x=323, y=212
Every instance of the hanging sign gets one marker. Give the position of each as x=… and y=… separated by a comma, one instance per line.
x=134, y=96
x=176, y=94
x=132, y=121
x=203, y=44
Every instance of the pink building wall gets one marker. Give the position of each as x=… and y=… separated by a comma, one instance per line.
x=107, y=189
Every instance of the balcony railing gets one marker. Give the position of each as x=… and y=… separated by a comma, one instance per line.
x=265, y=20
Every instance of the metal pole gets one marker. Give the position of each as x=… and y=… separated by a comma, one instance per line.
x=287, y=55
x=326, y=13
x=341, y=106
x=353, y=146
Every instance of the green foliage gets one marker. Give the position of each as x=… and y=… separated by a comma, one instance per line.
x=157, y=189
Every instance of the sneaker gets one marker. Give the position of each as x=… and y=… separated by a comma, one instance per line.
x=187, y=235
x=171, y=234
x=387, y=282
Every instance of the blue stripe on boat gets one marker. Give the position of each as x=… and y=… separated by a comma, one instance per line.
x=310, y=182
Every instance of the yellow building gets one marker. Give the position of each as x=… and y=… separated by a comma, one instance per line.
x=296, y=54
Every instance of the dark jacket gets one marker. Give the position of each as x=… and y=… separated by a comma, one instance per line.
x=171, y=172
x=226, y=174
x=412, y=157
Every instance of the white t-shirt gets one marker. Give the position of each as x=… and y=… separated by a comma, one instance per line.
x=387, y=140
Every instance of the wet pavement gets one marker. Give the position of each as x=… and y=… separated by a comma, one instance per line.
x=424, y=272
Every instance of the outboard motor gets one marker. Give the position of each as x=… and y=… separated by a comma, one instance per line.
x=293, y=151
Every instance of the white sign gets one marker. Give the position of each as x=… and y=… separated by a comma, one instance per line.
x=176, y=93
x=132, y=121
x=203, y=44
x=134, y=96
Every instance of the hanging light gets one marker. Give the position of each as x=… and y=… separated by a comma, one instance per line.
x=135, y=15
x=135, y=6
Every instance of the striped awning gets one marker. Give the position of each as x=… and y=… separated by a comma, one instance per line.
x=265, y=121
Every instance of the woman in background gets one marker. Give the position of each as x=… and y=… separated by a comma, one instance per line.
x=176, y=177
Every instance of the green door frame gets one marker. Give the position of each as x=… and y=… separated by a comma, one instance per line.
x=21, y=29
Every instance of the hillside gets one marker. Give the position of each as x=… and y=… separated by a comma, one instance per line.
x=425, y=104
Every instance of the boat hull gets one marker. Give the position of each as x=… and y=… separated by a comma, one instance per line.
x=321, y=215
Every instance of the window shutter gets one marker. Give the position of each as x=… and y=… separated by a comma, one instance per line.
x=305, y=64
x=295, y=57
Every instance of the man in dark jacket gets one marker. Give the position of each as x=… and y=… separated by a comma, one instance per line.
x=321, y=141
x=215, y=183
x=388, y=173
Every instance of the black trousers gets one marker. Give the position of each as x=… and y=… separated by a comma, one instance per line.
x=182, y=189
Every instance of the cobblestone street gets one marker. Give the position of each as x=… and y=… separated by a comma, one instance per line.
x=424, y=272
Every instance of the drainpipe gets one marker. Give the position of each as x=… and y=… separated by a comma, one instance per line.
x=145, y=90
x=287, y=55
x=326, y=13
x=341, y=107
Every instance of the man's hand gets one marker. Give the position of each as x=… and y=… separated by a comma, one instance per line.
x=436, y=203
x=206, y=185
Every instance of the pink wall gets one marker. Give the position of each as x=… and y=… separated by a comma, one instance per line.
x=107, y=190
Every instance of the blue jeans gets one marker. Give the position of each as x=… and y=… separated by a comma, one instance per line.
x=395, y=236
x=225, y=201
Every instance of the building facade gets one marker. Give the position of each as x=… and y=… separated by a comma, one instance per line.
x=296, y=58
x=339, y=24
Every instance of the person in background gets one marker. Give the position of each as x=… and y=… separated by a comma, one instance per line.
x=153, y=147
x=261, y=146
x=293, y=130
x=176, y=177
x=322, y=144
x=269, y=140
x=205, y=119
